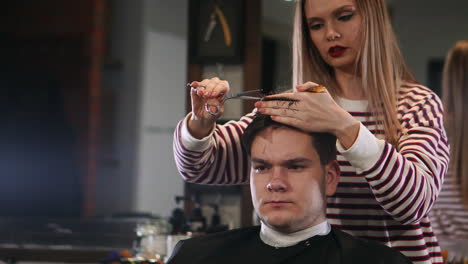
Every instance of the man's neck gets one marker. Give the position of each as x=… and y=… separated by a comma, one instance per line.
x=278, y=239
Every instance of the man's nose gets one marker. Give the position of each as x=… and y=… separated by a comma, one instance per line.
x=277, y=181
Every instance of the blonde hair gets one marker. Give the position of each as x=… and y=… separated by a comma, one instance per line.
x=455, y=100
x=379, y=63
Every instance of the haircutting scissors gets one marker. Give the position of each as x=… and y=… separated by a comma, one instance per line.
x=213, y=109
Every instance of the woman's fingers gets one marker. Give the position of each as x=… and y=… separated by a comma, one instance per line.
x=211, y=88
x=207, y=98
x=280, y=95
x=284, y=100
x=221, y=88
x=311, y=87
x=198, y=88
x=286, y=105
x=286, y=112
x=210, y=85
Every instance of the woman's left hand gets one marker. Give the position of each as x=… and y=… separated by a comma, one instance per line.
x=312, y=112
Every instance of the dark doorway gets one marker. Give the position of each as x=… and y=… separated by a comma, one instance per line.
x=47, y=86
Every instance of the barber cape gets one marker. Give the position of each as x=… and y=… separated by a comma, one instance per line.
x=244, y=245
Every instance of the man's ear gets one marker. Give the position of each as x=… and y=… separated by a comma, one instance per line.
x=332, y=177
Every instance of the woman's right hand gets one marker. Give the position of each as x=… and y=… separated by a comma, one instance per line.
x=209, y=91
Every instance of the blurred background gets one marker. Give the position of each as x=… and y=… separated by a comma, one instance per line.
x=91, y=91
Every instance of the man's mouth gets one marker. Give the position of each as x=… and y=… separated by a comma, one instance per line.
x=336, y=51
x=278, y=203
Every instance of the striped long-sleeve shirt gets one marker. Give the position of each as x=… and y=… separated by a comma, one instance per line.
x=384, y=193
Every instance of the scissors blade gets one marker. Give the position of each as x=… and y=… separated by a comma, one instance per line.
x=247, y=93
x=243, y=97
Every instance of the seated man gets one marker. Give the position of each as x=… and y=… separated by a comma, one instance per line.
x=292, y=173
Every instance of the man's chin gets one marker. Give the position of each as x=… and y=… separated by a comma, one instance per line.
x=280, y=223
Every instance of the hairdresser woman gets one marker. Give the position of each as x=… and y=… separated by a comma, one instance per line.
x=391, y=139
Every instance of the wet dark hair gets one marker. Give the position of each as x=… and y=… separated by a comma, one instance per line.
x=324, y=143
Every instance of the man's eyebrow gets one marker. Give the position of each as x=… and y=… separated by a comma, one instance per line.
x=336, y=12
x=289, y=161
x=257, y=160
x=298, y=160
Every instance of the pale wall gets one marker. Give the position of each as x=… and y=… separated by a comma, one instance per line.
x=162, y=103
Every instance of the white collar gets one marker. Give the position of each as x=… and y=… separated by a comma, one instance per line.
x=277, y=239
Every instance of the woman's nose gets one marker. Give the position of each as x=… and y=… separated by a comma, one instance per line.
x=332, y=33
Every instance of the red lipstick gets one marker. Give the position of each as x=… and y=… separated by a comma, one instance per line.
x=336, y=51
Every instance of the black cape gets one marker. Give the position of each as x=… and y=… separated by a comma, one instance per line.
x=245, y=246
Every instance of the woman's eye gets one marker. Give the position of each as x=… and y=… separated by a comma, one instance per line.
x=345, y=17
x=315, y=26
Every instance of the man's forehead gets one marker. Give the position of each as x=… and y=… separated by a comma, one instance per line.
x=283, y=143
x=286, y=132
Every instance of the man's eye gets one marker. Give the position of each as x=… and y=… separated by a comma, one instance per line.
x=259, y=169
x=345, y=17
x=315, y=26
x=296, y=167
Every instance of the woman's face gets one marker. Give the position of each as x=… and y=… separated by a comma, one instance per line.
x=335, y=30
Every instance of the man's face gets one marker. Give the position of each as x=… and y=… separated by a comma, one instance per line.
x=288, y=184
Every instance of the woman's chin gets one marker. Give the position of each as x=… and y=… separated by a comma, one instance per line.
x=342, y=63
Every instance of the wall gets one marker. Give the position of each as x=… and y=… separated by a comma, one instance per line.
x=277, y=20
x=147, y=88
x=121, y=92
x=162, y=103
x=428, y=29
